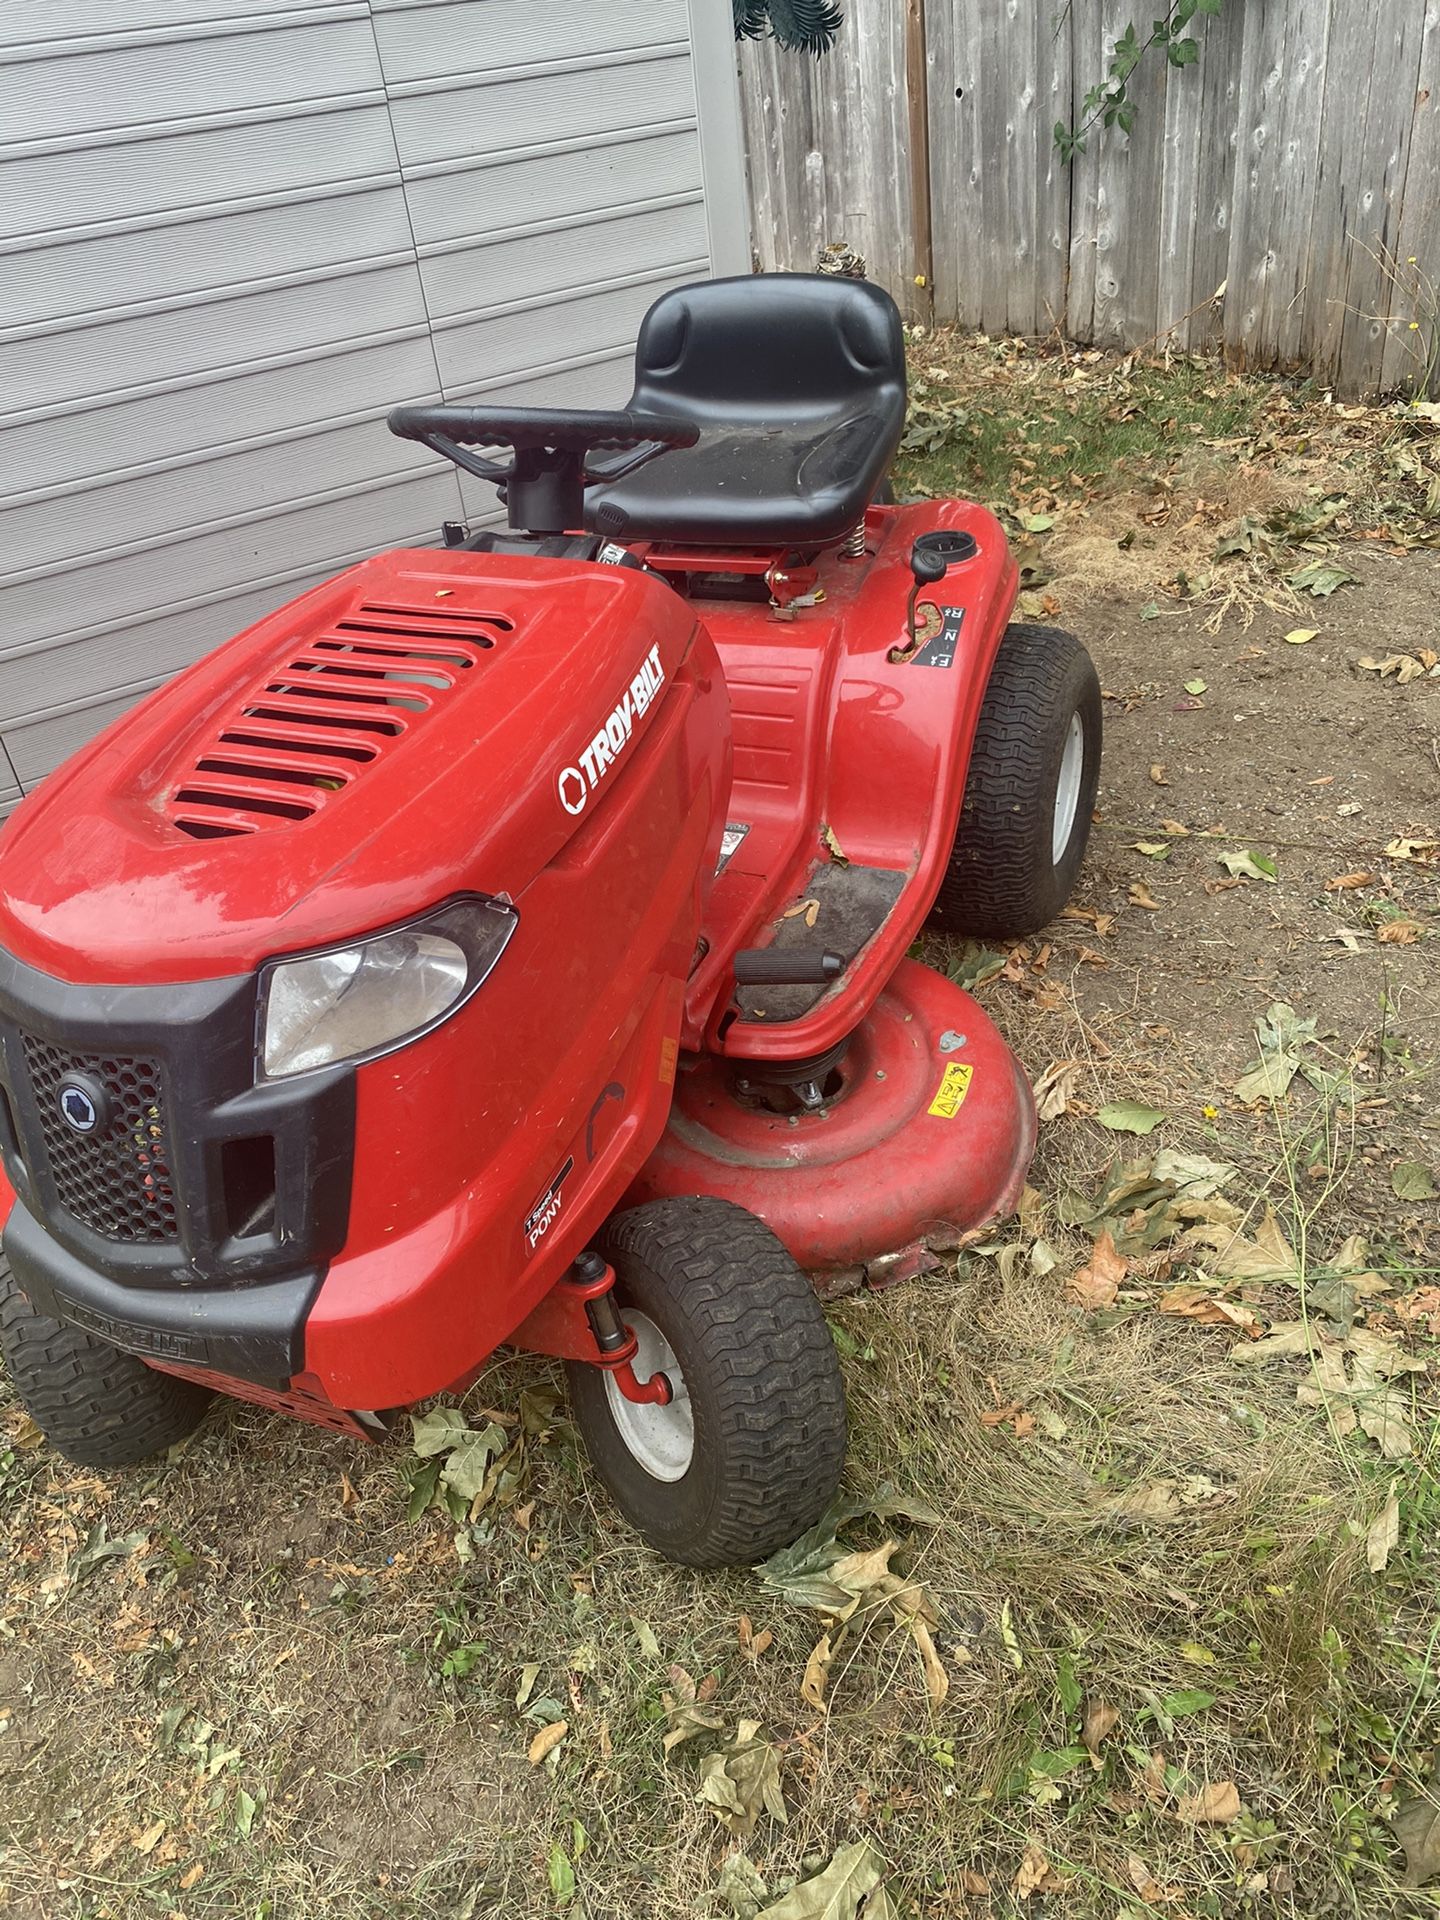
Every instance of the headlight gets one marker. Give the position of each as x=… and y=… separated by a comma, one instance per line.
x=358, y=1001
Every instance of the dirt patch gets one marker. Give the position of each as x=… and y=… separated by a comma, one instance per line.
x=1292, y=752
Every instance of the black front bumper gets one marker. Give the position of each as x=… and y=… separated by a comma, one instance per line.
x=254, y=1333
x=195, y=1220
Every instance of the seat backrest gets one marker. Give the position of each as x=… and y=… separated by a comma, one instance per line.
x=771, y=346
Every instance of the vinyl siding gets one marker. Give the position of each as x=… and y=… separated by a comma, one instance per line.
x=232, y=237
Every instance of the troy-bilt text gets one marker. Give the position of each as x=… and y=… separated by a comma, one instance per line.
x=576, y=784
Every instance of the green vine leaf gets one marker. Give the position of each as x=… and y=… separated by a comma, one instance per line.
x=1108, y=103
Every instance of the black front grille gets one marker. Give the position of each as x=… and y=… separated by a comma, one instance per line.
x=116, y=1180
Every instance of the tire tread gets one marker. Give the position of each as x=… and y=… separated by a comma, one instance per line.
x=100, y=1407
x=995, y=883
x=771, y=1363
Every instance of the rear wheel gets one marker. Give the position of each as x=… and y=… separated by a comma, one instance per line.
x=1034, y=771
x=750, y=1449
x=96, y=1405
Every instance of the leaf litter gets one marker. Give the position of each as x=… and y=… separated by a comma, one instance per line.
x=846, y=1585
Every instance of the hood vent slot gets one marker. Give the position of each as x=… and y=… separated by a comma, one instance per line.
x=339, y=702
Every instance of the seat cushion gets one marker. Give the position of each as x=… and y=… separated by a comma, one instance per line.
x=797, y=382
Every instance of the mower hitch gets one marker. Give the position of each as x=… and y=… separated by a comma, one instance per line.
x=579, y=1320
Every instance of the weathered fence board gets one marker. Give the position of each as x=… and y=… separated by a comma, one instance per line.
x=999, y=78
x=828, y=147
x=1297, y=164
x=1417, y=236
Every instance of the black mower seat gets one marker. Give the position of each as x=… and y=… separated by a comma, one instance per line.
x=797, y=382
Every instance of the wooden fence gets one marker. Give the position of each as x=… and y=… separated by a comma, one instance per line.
x=1296, y=165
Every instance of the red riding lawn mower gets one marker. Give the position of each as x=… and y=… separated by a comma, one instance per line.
x=508, y=942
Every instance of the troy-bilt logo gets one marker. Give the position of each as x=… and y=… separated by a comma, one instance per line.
x=576, y=784
x=543, y=1214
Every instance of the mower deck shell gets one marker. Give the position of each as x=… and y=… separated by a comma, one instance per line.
x=928, y=1139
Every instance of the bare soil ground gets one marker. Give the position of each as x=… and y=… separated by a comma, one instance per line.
x=1181, y=1568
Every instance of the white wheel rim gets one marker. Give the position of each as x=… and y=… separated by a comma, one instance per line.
x=1067, y=789
x=660, y=1439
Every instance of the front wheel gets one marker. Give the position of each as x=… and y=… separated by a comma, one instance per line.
x=96, y=1405
x=749, y=1451
x=1034, y=771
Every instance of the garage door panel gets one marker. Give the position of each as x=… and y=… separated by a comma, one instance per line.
x=454, y=36
x=159, y=505
x=135, y=178
x=111, y=589
x=101, y=356
x=555, y=186
x=222, y=249
x=163, y=426
x=492, y=118
x=52, y=20
x=81, y=92
x=463, y=279
x=489, y=349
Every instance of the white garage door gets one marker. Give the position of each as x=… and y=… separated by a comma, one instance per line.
x=232, y=236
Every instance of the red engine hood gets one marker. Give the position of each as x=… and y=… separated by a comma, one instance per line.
x=425, y=723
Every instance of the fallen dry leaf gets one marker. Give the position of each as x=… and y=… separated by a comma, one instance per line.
x=546, y=1741
x=1055, y=1088
x=1212, y=1806
x=1268, y=1256
x=974, y=1884
x=743, y=1780
x=1343, y=882
x=1158, y=775
x=1101, y=922
x=937, y=1680
x=1141, y=895
x=1099, y=1723
x=753, y=1644
x=1152, y=1781
x=150, y=1838
x=1417, y=1828
x=1383, y=1535
x=836, y=1893
x=817, y=1673
x=1096, y=1285
x=999, y=1416
x=1399, y=933
x=1190, y=1302
x=1403, y=667
x=1034, y=1872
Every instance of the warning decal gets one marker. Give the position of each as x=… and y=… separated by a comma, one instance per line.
x=951, y=1092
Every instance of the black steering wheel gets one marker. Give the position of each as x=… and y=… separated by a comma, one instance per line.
x=450, y=430
x=543, y=485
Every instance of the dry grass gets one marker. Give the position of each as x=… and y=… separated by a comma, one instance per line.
x=1143, y=466
x=283, y=1633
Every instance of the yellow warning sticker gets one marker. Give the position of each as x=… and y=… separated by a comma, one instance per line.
x=951, y=1092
